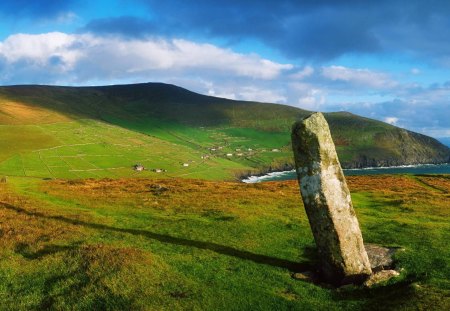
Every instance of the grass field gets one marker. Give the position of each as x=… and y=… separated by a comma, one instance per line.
x=180, y=244
x=92, y=149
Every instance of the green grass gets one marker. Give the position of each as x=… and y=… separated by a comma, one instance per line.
x=145, y=244
x=90, y=149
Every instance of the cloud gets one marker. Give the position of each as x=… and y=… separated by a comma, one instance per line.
x=39, y=50
x=364, y=77
x=307, y=30
x=315, y=30
x=391, y=120
x=307, y=96
x=430, y=118
x=307, y=71
x=253, y=93
x=249, y=91
x=81, y=58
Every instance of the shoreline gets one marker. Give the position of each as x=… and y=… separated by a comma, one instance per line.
x=258, y=178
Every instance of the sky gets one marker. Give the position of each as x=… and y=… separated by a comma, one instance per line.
x=386, y=59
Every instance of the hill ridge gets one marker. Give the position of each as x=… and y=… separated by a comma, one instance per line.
x=252, y=136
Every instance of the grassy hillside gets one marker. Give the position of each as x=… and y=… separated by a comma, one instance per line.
x=146, y=244
x=103, y=131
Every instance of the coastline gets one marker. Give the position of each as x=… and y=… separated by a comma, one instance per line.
x=258, y=178
x=270, y=175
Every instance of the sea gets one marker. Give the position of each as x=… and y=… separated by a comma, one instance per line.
x=407, y=169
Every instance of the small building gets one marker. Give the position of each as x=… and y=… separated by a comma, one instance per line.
x=250, y=149
x=158, y=170
x=240, y=154
x=238, y=149
x=275, y=150
x=229, y=154
x=138, y=167
x=185, y=164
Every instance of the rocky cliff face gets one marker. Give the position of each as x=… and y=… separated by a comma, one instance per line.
x=410, y=149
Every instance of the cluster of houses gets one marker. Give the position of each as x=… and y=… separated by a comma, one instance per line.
x=248, y=151
x=239, y=153
x=139, y=168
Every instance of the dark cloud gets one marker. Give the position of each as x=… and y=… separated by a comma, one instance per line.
x=35, y=8
x=311, y=30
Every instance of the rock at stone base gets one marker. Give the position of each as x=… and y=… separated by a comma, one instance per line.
x=380, y=257
x=380, y=276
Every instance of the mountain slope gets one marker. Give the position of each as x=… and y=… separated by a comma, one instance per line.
x=103, y=131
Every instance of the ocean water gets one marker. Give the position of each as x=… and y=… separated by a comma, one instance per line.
x=410, y=169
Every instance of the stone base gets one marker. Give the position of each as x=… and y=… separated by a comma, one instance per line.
x=381, y=258
x=381, y=261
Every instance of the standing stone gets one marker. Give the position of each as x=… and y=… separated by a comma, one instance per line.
x=328, y=203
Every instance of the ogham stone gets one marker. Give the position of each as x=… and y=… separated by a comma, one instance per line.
x=327, y=201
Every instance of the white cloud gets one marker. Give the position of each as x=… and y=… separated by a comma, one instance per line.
x=84, y=57
x=364, y=77
x=229, y=95
x=391, y=120
x=314, y=99
x=308, y=96
x=39, y=50
x=304, y=73
x=253, y=93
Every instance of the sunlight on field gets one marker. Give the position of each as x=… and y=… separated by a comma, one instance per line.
x=85, y=149
x=93, y=149
x=19, y=113
x=181, y=244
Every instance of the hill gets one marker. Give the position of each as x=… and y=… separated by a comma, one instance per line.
x=77, y=132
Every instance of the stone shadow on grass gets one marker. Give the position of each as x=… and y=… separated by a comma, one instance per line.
x=24, y=250
x=217, y=248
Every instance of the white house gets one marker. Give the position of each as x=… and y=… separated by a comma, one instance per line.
x=138, y=167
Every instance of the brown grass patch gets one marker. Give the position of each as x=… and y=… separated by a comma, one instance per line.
x=383, y=183
x=180, y=195
x=24, y=225
x=440, y=183
x=19, y=113
x=209, y=196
